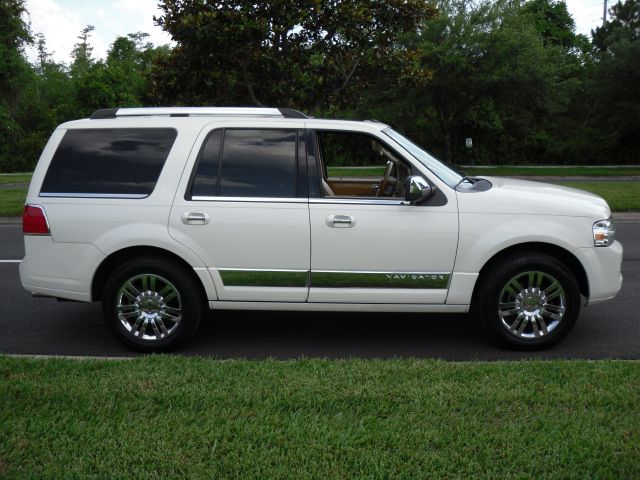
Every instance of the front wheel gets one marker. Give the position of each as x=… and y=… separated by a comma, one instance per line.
x=152, y=304
x=528, y=301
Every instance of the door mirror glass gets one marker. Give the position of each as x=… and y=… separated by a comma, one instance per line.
x=416, y=189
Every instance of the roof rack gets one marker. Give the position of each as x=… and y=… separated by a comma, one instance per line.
x=197, y=112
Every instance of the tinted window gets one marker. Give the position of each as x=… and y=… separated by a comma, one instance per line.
x=116, y=161
x=205, y=182
x=258, y=163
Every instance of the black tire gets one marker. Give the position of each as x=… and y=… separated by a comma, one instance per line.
x=160, y=274
x=493, y=288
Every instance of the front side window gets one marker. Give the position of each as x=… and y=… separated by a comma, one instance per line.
x=442, y=171
x=247, y=163
x=108, y=162
x=357, y=164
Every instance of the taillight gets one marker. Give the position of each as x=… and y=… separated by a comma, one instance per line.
x=34, y=221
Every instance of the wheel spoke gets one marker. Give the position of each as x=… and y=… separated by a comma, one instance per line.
x=155, y=329
x=171, y=296
x=523, y=325
x=127, y=306
x=513, y=287
x=518, y=323
x=165, y=290
x=131, y=290
x=172, y=318
x=145, y=281
x=547, y=311
x=152, y=281
x=143, y=327
x=162, y=326
x=509, y=308
x=553, y=291
x=543, y=325
x=136, y=326
x=534, y=325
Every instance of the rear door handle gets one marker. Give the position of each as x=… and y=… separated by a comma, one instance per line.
x=341, y=221
x=195, y=218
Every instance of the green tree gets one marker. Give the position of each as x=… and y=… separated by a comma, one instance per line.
x=613, y=85
x=623, y=25
x=14, y=74
x=304, y=53
x=481, y=70
x=81, y=54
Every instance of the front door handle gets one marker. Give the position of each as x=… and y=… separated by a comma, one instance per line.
x=195, y=218
x=341, y=221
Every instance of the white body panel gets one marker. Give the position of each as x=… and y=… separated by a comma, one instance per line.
x=378, y=242
x=292, y=237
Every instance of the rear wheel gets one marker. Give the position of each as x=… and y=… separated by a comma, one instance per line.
x=528, y=301
x=152, y=304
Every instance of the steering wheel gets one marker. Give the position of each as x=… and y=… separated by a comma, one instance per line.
x=385, y=178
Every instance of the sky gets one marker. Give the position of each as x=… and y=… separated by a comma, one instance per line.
x=62, y=20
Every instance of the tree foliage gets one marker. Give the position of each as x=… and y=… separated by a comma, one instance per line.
x=305, y=53
x=511, y=74
x=613, y=83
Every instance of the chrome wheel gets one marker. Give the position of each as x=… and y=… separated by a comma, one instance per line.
x=532, y=305
x=149, y=307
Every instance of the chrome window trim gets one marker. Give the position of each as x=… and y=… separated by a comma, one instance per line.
x=249, y=199
x=356, y=201
x=95, y=195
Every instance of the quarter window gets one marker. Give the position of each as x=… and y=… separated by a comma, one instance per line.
x=205, y=181
x=108, y=162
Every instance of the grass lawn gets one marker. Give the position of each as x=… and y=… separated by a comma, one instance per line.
x=621, y=196
x=15, y=178
x=506, y=171
x=160, y=417
x=12, y=201
x=355, y=172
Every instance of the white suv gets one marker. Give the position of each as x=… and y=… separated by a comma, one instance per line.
x=163, y=212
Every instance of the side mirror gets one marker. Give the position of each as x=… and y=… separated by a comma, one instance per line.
x=417, y=190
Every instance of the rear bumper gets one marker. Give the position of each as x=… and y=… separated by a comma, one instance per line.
x=63, y=270
x=604, y=271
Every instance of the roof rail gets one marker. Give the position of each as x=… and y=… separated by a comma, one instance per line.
x=196, y=112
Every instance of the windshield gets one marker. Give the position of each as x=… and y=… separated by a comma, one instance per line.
x=438, y=168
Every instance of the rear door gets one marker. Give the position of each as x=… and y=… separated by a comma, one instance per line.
x=244, y=210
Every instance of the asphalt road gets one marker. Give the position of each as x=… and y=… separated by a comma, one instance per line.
x=47, y=327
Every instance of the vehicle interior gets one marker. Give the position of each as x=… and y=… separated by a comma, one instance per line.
x=357, y=165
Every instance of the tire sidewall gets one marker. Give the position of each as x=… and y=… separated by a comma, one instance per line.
x=175, y=273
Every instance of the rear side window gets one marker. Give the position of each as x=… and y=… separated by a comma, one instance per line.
x=247, y=163
x=108, y=162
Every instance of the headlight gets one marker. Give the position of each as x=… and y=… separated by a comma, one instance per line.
x=604, y=233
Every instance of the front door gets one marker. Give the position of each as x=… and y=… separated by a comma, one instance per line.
x=368, y=245
x=245, y=212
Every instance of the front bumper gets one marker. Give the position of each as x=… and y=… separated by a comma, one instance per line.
x=603, y=266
